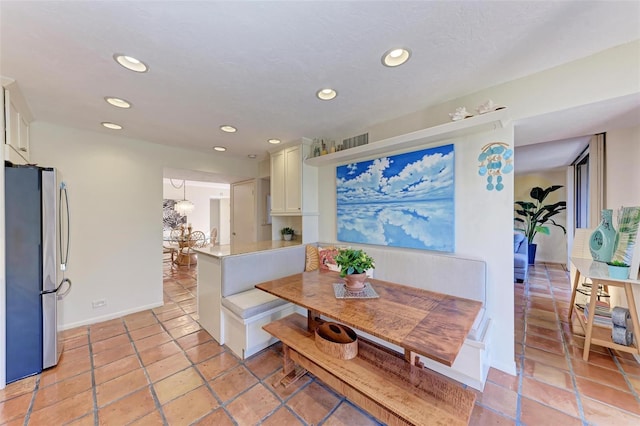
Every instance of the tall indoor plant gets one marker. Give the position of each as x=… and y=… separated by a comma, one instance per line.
x=536, y=214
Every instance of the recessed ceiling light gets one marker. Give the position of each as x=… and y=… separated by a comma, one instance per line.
x=252, y=156
x=130, y=63
x=117, y=102
x=326, y=94
x=112, y=126
x=395, y=57
x=274, y=141
x=228, y=129
x=220, y=148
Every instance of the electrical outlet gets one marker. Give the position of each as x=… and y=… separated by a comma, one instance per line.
x=99, y=303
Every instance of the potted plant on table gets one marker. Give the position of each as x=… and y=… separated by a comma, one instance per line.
x=287, y=233
x=618, y=270
x=354, y=264
x=536, y=214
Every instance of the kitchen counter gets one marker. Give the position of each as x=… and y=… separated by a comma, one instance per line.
x=235, y=249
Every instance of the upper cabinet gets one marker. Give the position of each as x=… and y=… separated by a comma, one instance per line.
x=294, y=185
x=16, y=124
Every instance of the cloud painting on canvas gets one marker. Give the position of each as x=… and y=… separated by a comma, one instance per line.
x=405, y=200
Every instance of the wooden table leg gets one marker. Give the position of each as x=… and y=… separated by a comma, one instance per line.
x=290, y=371
x=287, y=363
x=313, y=320
x=634, y=314
x=592, y=314
x=413, y=358
x=576, y=281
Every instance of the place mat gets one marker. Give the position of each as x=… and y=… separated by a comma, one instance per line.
x=367, y=292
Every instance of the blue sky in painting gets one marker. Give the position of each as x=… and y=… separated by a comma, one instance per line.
x=404, y=200
x=420, y=175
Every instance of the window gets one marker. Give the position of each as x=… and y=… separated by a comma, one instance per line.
x=582, y=190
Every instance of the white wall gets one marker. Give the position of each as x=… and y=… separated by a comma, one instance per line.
x=224, y=233
x=622, y=182
x=552, y=247
x=483, y=228
x=115, y=189
x=605, y=75
x=200, y=194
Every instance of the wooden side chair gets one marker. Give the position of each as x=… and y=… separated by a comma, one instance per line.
x=197, y=239
x=213, y=236
x=170, y=248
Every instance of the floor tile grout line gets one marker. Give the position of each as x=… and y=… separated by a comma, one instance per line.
x=94, y=387
x=33, y=400
x=620, y=370
x=197, y=370
x=567, y=355
x=281, y=402
x=184, y=305
x=152, y=390
x=624, y=376
x=259, y=382
x=518, y=420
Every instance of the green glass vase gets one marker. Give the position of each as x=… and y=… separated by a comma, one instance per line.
x=602, y=242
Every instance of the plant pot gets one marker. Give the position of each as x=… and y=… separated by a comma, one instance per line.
x=532, y=253
x=618, y=272
x=355, y=281
x=287, y=237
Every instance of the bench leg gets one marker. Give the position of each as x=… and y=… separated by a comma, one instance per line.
x=290, y=371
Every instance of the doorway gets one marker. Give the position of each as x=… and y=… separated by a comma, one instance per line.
x=243, y=208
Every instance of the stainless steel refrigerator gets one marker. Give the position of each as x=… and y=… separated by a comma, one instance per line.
x=37, y=250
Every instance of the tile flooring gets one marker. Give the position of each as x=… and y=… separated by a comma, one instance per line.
x=159, y=367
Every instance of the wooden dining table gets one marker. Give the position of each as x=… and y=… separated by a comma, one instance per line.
x=422, y=322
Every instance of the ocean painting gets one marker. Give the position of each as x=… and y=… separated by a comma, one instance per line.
x=405, y=200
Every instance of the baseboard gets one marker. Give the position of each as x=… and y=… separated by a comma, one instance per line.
x=509, y=367
x=110, y=316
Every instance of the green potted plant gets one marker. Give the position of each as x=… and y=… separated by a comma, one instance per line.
x=287, y=233
x=618, y=270
x=354, y=263
x=536, y=214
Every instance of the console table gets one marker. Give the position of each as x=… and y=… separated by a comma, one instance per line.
x=391, y=386
x=595, y=334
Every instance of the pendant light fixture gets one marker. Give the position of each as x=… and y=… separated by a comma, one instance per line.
x=184, y=206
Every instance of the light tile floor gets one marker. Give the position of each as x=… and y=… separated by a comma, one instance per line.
x=159, y=367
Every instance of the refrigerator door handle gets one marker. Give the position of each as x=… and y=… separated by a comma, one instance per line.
x=57, y=289
x=61, y=295
x=64, y=248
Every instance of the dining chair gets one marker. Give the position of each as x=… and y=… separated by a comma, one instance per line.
x=196, y=239
x=213, y=236
x=171, y=247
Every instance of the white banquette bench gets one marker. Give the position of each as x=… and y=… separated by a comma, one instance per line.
x=448, y=274
x=233, y=311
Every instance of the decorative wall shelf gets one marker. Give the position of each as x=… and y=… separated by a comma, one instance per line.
x=480, y=123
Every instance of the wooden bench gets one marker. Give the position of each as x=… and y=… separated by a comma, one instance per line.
x=378, y=380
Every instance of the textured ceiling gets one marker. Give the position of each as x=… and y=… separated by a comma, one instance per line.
x=257, y=65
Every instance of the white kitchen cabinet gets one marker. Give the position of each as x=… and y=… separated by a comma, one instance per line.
x=16, y=125
x=277, y=182
x=294, y=185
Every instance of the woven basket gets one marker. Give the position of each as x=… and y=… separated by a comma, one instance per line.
x=337, y=340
